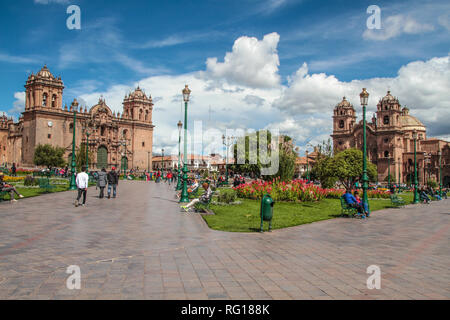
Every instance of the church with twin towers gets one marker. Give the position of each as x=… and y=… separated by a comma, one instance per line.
x=123, y=140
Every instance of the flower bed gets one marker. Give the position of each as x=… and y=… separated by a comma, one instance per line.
x=13, y=179
x=295, y=190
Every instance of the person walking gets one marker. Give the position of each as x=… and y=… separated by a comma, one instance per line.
x=13, y=170
x=113, y=181
x=82, y=182
x=169, y=177
x=102, y=181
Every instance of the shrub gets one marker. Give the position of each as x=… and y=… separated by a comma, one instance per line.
x=227, y=196
x=30, y=181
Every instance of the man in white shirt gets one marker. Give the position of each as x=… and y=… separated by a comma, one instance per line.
x=82, y=185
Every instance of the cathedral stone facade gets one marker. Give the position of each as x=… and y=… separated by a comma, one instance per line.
x=121, y=140
x=390, y=141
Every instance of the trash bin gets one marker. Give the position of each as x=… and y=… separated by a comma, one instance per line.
x=266, y=211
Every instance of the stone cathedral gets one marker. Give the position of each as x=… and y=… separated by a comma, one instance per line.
x=390, y=143
x=122, y=140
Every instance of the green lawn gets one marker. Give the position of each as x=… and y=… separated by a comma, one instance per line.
x=245, y=217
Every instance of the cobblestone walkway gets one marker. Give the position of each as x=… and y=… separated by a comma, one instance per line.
x=140, y=246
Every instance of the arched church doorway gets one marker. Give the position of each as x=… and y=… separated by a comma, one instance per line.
x=102, y=157
x=124, y=164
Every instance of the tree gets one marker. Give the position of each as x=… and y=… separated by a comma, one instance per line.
x=287, y=160
x=287, y=157
x=49, y=156
x=347, y=166
x=80, y=156
x=321, y=171
x=432, y=183
x=387, y=178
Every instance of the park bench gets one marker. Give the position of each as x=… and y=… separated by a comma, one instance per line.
x=2, y=195
x=194, y=193
x=44, y=183
x=204, y=206
x=396, y=201
x=346, y=209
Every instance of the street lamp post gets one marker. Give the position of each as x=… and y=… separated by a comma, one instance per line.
x=364, y=97
x=179, y=183
x=440, y=172
x=87, y=151
x=416, y=192
x=184, y=194
x=124, y=155
x=73, y=184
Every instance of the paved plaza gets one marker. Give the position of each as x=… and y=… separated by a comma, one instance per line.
x=140, y=246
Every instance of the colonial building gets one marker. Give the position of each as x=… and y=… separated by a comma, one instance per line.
x=390, y=141
x=123, y=140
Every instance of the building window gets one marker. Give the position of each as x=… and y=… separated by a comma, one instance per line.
x=49, y=136
x=386, y=154
x=386, y=120
x=44, y=100
x=341, y=124
x=54, y=101
x=340, y=143
x=386, y=140
x=143, y=144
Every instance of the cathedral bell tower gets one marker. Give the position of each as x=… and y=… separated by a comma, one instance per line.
x=344, y=118
x=137, y=106
x=389, y=113
x=43, y=91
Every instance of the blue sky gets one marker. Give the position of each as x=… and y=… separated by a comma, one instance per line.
x=125, y=43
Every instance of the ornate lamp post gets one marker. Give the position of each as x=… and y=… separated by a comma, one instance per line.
x=179, y=183
x=416, y=192
x=184, y=194
x=364, y=97
x=227, y=142
x=73, y=184
x=87, y=150
x=124, y=161
x=440, y=171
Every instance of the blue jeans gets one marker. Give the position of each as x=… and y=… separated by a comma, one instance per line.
x=114, y=187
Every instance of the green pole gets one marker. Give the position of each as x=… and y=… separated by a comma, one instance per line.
x=365, y=178
x=389, y=172
x=226, y=164
x=416, y=192
x=162, y=173
x=184, y=194
x=440, y=172
x=87, y=151
x=73, y=184
x=179, y=184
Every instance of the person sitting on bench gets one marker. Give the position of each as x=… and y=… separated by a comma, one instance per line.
x=203, y=198
x=8, y=188
x=423, y=196
x=363, y=204
x=351, y=201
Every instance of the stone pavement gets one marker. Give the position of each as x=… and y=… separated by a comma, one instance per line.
x=140, y=246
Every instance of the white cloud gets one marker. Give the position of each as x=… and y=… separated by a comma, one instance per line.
x=19, y=103
x=4, y=57
x=394, y=26
x=252, y=63
x=302, y=108
x=421, y=85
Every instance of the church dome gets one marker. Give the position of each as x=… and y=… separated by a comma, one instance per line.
x=138, y=93
x=412, y=123
x=45, y=73
x=344, y=104
x=389, y=97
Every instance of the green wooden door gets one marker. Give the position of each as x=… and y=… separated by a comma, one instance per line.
x=102, y=157
x=124, y=164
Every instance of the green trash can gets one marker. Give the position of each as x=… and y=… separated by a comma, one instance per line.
x=266, y=211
